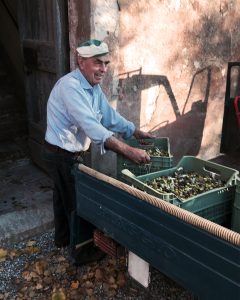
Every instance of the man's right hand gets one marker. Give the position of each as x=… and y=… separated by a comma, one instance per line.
x=136, y=155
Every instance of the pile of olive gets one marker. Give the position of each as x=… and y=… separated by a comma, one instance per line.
x=185, y=185
x=155, y=151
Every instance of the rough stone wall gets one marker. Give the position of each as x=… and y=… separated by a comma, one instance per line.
x=173, y=65
x=105, y=26
x=169, y=66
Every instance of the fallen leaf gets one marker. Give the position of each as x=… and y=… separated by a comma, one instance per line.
x=88, y=284
x=111, y=293
x=61, y=269
x=14, y=253
x=47, y=280
x=46, y=273
x=89, y=292
x=121, y=280
x=105, y=287
x=61, y=258
x=90, y=275
x=30, y=243
x=20, y=295
x=34, y=274
x=71, y=270
x=113, y=286
x=31, y=295
x=112, y=261
x=40, y=267
x=26, y=275
x=58, y=295
x=74, y=284
x=39, y=286
x=98, y=274
x=23, y=290
x=3, y=253
x=111, y=280
x=31, y=250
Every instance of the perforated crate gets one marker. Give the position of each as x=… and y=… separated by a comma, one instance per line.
x=235, y=223
x=157, y=163
x=214, y=205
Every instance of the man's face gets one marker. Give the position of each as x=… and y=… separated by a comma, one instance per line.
x=93, y=68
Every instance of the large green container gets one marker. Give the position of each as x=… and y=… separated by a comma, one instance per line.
x=156, y=163
x=236, y=209
x=204, y=263
x=214, y=205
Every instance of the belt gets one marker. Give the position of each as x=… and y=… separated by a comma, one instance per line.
x=56, y=149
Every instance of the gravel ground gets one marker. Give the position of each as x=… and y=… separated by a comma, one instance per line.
x=36, y=269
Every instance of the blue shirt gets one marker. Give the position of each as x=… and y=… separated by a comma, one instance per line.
x=78, y=113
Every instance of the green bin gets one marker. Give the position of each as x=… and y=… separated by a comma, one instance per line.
x=156, y=163
x=236, y=209
x=214, y=205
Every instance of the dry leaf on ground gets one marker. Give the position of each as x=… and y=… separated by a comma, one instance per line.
x=58, y=295
x=3, y=253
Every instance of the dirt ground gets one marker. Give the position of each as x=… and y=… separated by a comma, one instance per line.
x=36, y=269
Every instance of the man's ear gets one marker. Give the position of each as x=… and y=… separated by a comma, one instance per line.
x=80, y=61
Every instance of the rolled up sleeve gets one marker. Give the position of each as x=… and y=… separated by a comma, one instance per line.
x=82, y=115
x=114, y=121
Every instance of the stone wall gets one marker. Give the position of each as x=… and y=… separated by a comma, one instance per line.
x=169, y=67
x=173, y=61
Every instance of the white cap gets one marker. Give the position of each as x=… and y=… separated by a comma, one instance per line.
x=92, y=48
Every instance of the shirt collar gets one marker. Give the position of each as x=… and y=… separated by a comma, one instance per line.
x=85, y=84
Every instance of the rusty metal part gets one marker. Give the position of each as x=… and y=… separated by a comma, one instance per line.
x=107, y=244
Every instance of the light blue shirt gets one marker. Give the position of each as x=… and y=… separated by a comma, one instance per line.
x=78, y=113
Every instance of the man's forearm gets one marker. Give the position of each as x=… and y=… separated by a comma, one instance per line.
x=134, y=154
x=117, y=146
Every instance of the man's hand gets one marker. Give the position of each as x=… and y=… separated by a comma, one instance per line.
x=142, y=134
x=138, y=156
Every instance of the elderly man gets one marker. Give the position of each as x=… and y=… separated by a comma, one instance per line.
x=78, y=113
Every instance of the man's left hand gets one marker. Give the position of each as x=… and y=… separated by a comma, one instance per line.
x=143, y=135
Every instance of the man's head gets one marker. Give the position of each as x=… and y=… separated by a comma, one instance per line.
x=92, y=60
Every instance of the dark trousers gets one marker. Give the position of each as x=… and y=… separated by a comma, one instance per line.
x=59, y=167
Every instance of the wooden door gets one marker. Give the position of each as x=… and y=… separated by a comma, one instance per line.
x=43, y=30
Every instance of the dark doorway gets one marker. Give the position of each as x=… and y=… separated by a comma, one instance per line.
x=230, y=143
x=230, y=132
x=13, y=114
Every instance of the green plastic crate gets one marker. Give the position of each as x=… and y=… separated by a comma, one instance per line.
x=235, y=225
x=214, y=205
x=156, y=163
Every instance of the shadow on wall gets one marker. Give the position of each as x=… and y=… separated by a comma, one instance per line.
x=186, y=131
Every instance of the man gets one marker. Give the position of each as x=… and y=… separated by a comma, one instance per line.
x=78, y=113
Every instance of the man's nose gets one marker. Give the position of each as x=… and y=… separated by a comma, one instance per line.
x=103, y=67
